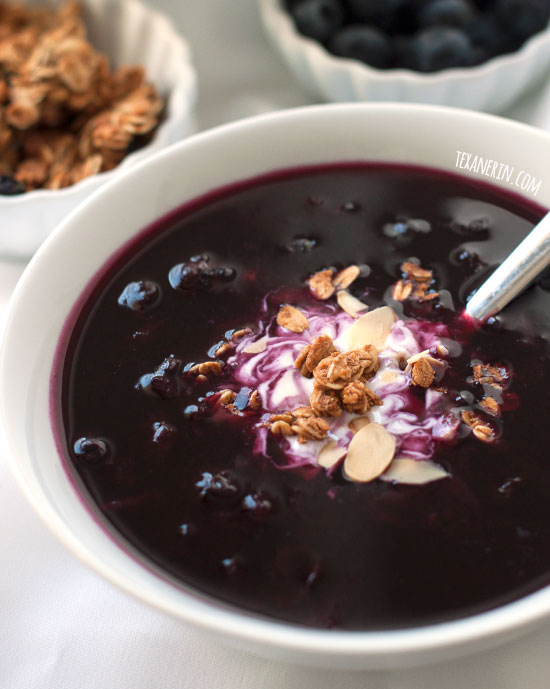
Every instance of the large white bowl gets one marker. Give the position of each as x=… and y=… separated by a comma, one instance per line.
x=129, y=32
x=66, y=263
x=489, y=87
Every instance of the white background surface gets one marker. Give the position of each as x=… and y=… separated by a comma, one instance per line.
x=61, y=627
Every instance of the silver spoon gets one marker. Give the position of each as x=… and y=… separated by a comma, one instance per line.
x=511, y=277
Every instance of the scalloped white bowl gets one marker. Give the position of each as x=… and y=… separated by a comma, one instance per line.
x=129, y=32
x=490, y=87
x=65, y=265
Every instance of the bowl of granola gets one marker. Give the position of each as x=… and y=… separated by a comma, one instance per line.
x=87, y=89
x=255, y=403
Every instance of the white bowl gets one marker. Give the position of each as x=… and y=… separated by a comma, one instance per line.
x=64, y=266
x=490, y=87
x=129, y=32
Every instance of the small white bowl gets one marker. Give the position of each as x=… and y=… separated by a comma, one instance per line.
x=129, y=32
x=489, y=87
x=65, y=266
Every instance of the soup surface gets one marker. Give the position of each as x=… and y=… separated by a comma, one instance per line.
x=192, y=433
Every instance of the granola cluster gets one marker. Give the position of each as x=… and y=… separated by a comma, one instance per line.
x=416, y=284
x=64, y=115
x=326, y=282
x=339, y=385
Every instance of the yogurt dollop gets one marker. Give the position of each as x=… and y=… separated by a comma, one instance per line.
x=414, y=422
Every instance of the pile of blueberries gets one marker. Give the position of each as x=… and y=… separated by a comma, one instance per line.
x=422, y=35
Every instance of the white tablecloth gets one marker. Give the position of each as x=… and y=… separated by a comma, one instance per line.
x=61, y=626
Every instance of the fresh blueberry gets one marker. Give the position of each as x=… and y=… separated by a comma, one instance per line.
x=441, y=48
x=384, y=14
x=9, y=186
x=363, y=43
x=522, y=18
x=318, y=19
x=402, y=51
x=92, y=450
x=140, y=296
x=457, y=13
x=487, y=37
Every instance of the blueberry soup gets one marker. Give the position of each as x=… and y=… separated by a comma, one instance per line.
x=273, y=397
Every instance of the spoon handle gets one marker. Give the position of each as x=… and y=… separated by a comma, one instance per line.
x=514, y=274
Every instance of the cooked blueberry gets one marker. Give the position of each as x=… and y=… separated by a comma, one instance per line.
x=92, y=450
x=364, y=43
x=226, y=274
x=164, y=381
x=522, y=18
x=257, y=505
x=318, y=19
x=9, y=186
x=164, y=433
x=402, y=227
x=351, y=207
x=184, y=275
x=230, y=565
x=481, y=227
x=302, y=245
x=220, y=487
x=241, y=401
x=187, y=529
x=457, y=13
x=441, y=48
x=140, y=296
x=200, y=259
x=384, y=14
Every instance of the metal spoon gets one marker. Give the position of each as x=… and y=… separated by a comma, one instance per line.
x=511, y=277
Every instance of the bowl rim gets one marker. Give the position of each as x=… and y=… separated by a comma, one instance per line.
x=187, y=82
x=273, y=10
x=211, y=615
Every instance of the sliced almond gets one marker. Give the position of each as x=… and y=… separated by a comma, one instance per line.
x=321, y=285
x=256, y=347
x=357, y=424
x=330, y=454
x=344, y=278
x=412, y=472
x=388, y=376
x=370, y=452
x=373, y=328
x=293, y=319
x=348, y=303
x=413, y=359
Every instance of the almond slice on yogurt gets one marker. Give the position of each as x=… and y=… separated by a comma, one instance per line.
x=330, y=454
x=350, y=304
x=256, y=347
x=412, y=472
x=370, y=453
x=355, y=425
x=373, y=328
x=293, y=319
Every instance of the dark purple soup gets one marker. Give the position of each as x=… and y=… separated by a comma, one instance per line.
x=196, y=439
